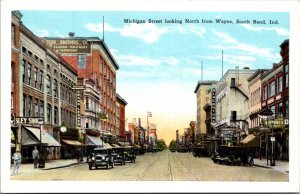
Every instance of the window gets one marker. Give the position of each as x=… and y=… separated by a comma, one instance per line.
x=286, y=109
x=24, y=105
x=49, y=113
x=55, y=115
x=41, y=80
x=286, y=69
x=29, y=73
x=36, y=107
x=279, y=109
x=265, y=93
x=48, y=85
x=35, y=76
x=279, y=84
x=41, y=109
x=12, y=72
x=81, y=61
x=272, y=108
x=55, y=88
x=29, y=106
x=87, y=103
x=272, y=89
x=12, y=101
x=13, y=34
x=23, y=70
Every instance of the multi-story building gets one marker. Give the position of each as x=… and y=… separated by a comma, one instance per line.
x=275, y=98
x=152, y=134
x=15, y=69
x=232, y=108
x=93, y=60
x=43, y=89
x=120, y=118
x=255, y=99
x=202, y=91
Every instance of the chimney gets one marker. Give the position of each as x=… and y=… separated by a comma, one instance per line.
x=71, y=34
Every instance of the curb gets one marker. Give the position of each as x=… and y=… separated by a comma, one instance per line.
x=63, y=166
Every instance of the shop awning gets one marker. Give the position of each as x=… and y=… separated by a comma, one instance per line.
x=46, y=137
x=28, y=138
x=93, y=140
x=248, y=139
x=72, y=142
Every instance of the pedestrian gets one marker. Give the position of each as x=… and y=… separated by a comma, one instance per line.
x=35, y=156
x=17, y=161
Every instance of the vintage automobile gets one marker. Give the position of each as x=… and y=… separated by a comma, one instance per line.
x=101, y=157
x=129, y=153
x=118, y=154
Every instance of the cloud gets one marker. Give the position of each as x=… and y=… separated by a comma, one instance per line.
x=240, y=46
x=147, y=32
x=199, y=30
x=42, y=32
x=279, y=31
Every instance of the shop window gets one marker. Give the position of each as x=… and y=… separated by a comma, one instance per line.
x=272, y=108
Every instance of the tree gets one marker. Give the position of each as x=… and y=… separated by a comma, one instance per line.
x=161, y=145
x=172, y=145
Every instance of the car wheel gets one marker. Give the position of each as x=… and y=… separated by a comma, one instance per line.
x=90, y=167
x=107, y=166
x=112, y=165
x=133, y=160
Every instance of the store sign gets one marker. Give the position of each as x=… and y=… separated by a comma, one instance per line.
x=29, y=120
x=78, y=109
x=276, y=123
x=213, y=105
x=63, y=46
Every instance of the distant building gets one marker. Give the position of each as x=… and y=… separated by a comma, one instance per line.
x=120, y=117
x=203, y=97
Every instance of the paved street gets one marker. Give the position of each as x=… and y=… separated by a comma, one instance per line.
x=161, y=166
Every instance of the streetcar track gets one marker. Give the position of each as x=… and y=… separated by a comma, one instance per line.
x=128, y=169
x=150, y=166
x=170, y=169
x=187, y=169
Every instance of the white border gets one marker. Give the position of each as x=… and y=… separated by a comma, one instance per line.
x=291, y=6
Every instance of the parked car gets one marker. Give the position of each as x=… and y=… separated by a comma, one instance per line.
x=102, y=157
x=129, y=153
x=118, y=154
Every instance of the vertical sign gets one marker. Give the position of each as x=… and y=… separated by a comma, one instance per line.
x=78, y=109
x=213, y=105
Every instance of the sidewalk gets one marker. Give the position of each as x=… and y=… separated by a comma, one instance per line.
x=28, y=168
x=280, y=165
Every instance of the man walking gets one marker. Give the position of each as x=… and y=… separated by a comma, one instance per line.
x=17, y=160
x=35, y=156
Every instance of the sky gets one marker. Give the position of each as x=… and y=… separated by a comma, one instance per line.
x=160, y=63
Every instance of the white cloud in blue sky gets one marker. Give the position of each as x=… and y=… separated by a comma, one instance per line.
x=154, y=56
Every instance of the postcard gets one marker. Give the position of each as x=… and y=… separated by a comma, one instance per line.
x=153, y=96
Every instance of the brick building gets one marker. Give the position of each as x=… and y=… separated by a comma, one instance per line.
x=92, y=60
x=120, y=117
x=275, y=97
x=42, y=87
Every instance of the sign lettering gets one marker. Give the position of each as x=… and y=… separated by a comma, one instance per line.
x=69, y=46
x=29, y=120
x=213, y=105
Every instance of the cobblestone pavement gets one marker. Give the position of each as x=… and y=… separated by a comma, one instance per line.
x=162, y=166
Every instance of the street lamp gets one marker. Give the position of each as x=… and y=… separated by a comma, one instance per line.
x=63, y=128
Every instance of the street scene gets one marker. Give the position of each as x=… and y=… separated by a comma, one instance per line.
x=149, y=96
x=161, y=166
